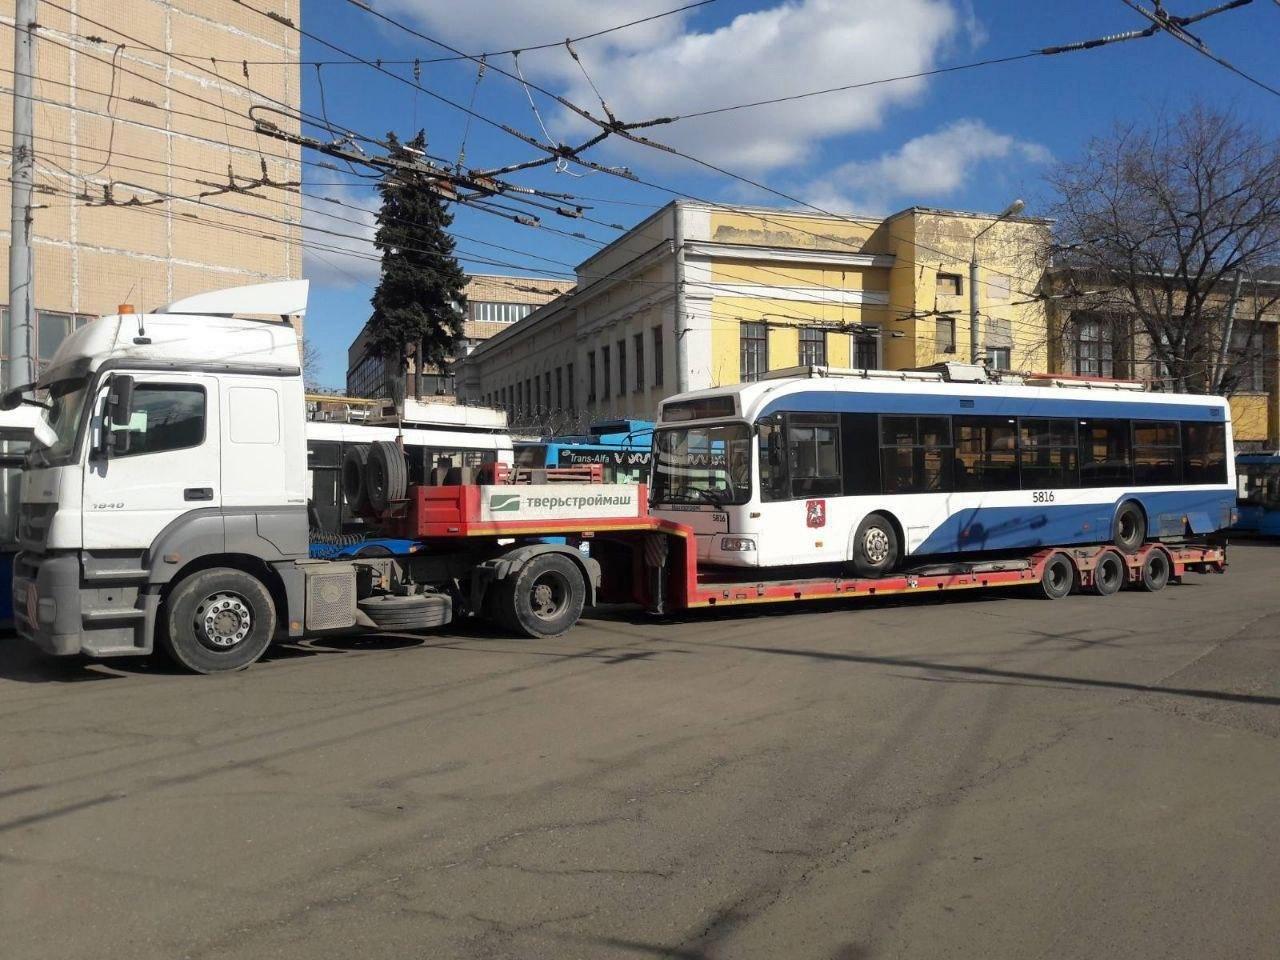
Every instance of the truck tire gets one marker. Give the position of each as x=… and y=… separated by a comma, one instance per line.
x=217, y=620
x=876, y=550
x=406, y=614
x=543, y=599
x=1129, y=529
x=355, y=463
x=1156, y=570
x=1057, y=577
x=1109, y=574
x=386, y=477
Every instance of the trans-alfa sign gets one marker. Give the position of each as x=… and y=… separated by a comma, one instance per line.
x=559, y=501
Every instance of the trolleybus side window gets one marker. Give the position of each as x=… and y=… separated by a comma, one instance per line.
x=813, y=442
x=773, y=460
x=1157, y=453
x=1048, y=454
x=860, y=465
x=1106, y=459
x=916, y=454
x=986, y=453
x=1204, y=449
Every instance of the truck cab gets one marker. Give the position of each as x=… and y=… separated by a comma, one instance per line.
x=168, y=439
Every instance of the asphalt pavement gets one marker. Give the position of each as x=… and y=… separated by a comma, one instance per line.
x=968, y=777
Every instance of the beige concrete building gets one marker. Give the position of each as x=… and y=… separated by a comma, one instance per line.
x=700, y=295
x=131, y=111
x=494, y=303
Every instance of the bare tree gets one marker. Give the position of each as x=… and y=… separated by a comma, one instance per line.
x=310, y=365
x=1178, y=226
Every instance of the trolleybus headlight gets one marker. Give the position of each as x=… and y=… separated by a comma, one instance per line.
x=736, y=544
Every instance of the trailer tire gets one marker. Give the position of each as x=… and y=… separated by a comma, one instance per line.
x=1156, y=570
x=1058, y=577
x=876, y=549
x=218, y=620
x=544, y=598
x=387, y=476
x=1129, y=529
x=355, y=463
x=1109, y=574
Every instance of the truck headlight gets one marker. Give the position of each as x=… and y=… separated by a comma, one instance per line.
x=736, y=544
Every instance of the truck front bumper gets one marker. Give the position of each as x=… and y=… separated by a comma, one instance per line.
x=46, y=602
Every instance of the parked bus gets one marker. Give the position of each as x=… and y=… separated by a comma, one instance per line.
x=1258, y=480
x=867, y=468
x=623, y=447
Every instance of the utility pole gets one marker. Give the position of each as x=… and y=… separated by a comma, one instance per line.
x=22, y=179
x=975, y=346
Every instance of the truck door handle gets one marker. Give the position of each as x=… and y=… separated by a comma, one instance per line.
x=197, y=493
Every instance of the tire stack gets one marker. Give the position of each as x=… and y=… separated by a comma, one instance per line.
x=374, y=476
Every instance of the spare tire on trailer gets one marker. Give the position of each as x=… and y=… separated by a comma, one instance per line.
x=354, y=465
x=422, y=611
x=386, y=476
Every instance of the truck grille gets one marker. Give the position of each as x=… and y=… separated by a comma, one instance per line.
x=34, y=521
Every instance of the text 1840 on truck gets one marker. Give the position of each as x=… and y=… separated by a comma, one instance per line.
x=164, y=501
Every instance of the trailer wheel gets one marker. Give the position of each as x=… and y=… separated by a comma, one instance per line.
x=1058, y=577
x=1129, y=529
x=387, y=475
x=218, y=620
x=544, y=598
x=875, y=546
x=354, y=464
x=1155, y=571
x=1109, y=574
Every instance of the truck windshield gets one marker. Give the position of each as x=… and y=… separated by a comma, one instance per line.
x=66, y=405
x=703, y=465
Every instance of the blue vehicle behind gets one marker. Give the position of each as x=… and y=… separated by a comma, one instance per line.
x=1258, y=481
x=622, y=447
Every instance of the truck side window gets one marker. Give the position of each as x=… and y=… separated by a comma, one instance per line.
x=166, y=416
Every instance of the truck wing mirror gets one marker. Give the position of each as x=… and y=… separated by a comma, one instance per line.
x=12, y=399
x=120, y=400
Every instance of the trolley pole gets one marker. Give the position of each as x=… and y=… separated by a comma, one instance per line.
x=22, y=179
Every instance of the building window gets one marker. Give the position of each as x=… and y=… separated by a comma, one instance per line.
x=638, y=340
x=813, y=347
x=755, y=351
x=657, y=356
x=950, y=285
x=1247, y=360
x=622, y=367
x=866, y=349
x=999, y=358
x=946, y=334
x=605, y=380
x=568, y=371
x=1092, y=348
x=560, y=387
x=486, y=312
x=591, y=376
x=546, y=384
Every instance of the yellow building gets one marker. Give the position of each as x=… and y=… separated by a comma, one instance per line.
x=701, y=295
x=138, y=103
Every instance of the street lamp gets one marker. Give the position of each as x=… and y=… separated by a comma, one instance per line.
x=1012, y=210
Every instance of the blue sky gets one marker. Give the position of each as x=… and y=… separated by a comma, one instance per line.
x=970, y=139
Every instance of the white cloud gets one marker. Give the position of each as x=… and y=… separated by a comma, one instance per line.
x=662, y=69
x=933, y=166
x=349, y=258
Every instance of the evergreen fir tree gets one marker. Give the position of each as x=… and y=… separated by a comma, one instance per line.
x=419, y=300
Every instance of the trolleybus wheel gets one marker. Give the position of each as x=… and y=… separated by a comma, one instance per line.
x=217, y=620
x=1058, y=576
x=1129, y=529
x=1109, y=574
x=543, y=599
x=1155, y=571
x=876, y=550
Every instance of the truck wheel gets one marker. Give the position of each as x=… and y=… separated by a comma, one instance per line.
x=355, y=463
x=544, y=598
x=1129, y=529
x=1109, y=574
x=875, y=546
x=387, y=476
x=218, y=620
x=1155, y=571
x=1058, y=577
